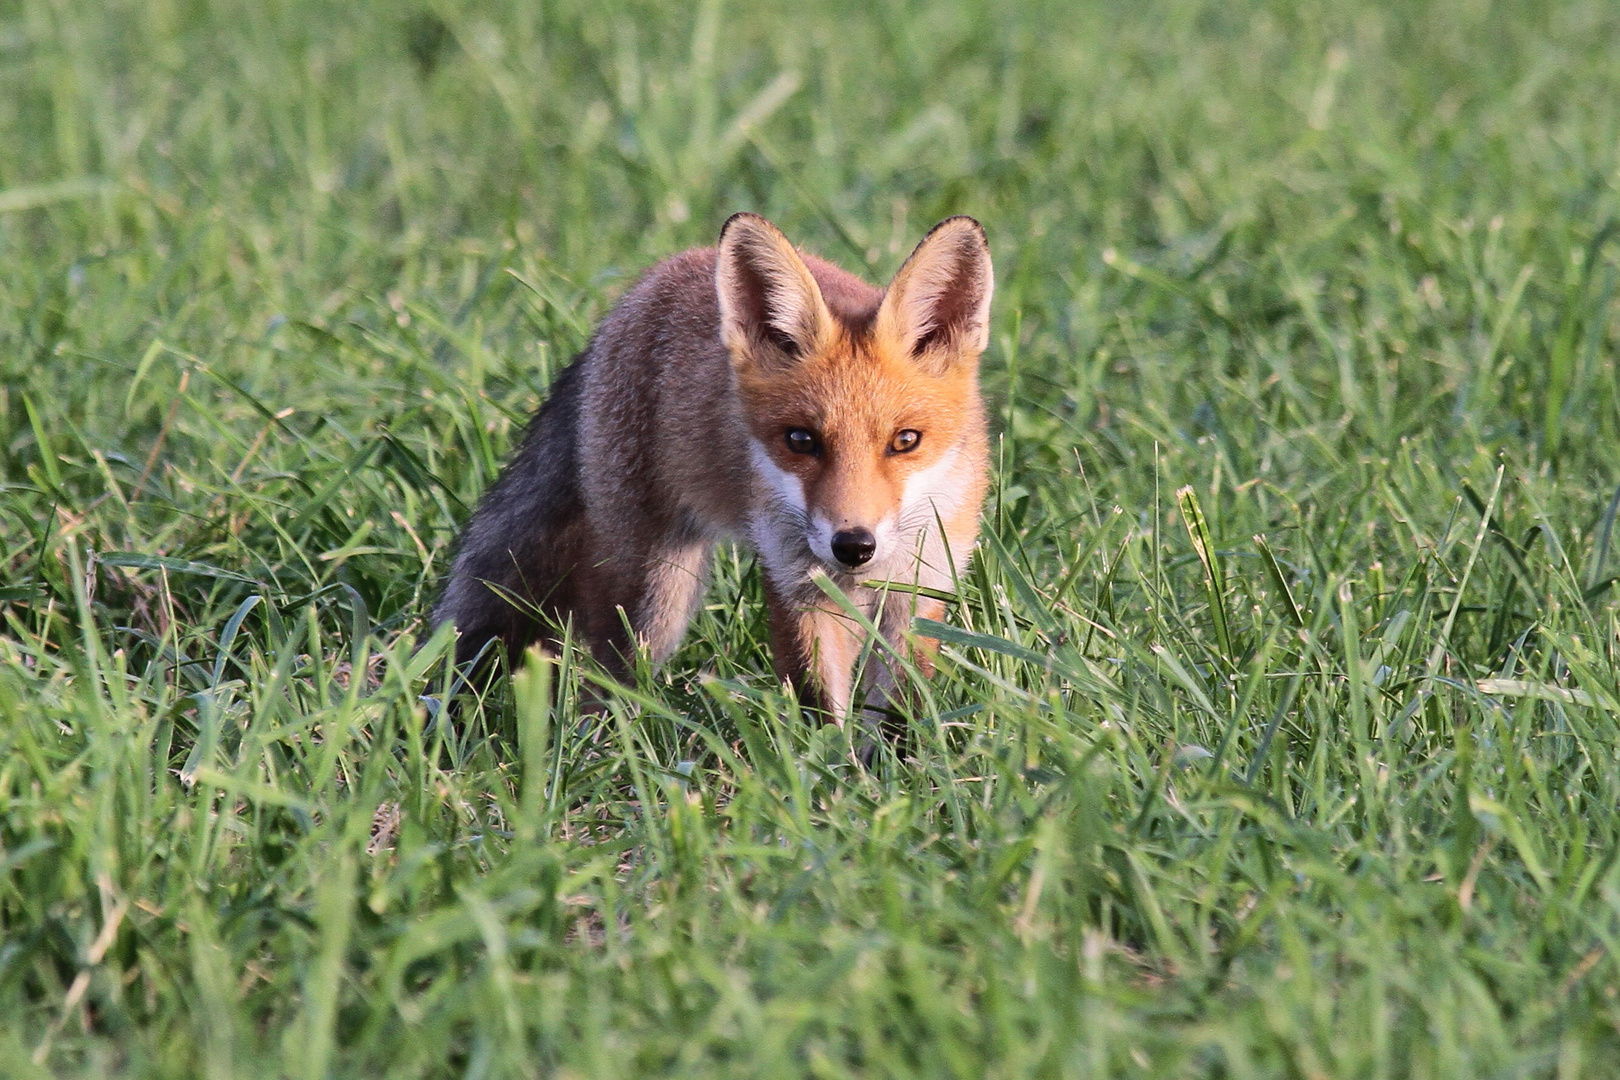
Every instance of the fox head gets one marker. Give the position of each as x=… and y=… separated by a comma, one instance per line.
x=862, y=406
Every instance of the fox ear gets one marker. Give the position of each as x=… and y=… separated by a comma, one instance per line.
x=771, y=309
x=938, y=305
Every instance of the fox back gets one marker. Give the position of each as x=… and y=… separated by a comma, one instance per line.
x=750, y=391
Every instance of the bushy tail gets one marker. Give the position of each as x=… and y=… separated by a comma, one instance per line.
x=518, y=560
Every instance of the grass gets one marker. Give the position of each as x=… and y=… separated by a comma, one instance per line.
x=1276, y=728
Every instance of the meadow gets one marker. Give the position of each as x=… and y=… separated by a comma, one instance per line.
x=1275, y=733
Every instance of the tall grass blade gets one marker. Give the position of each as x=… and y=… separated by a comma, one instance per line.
x=1192, y=515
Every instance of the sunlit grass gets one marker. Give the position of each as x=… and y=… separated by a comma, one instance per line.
x=1276, y=727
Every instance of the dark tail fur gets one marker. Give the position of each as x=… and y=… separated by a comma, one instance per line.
x=518, y=567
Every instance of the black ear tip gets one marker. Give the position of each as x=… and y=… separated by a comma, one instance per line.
x=961, y=223
x=744, y=218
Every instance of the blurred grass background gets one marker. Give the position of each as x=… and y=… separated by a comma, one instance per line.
x=1276, y=733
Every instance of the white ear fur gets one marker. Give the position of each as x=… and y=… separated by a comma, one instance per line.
x=771, y=308
x=938, y=305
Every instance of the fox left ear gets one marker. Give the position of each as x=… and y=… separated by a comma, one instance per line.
x=938, y=305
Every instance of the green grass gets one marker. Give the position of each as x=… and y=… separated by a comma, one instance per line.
x=1307, y=770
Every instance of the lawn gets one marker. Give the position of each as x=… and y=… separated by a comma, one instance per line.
x=1275, y=733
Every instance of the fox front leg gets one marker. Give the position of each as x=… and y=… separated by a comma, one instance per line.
x=885, y=689
x=824, y=654
x=815, y=647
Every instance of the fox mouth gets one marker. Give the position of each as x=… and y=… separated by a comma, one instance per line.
x=824, y=580
x=838, y=571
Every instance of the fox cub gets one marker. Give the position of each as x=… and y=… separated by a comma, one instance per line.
x=753, y=391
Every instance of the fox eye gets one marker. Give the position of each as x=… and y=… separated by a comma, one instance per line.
x=905, y=441
x=802, y=441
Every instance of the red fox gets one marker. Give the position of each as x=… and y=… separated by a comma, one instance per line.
x=753, y=391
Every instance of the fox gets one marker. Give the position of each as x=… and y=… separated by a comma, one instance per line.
x=755, y=392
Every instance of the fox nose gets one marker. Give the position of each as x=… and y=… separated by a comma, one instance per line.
x=853, y=547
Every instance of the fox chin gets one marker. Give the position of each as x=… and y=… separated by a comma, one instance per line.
x=753, y=391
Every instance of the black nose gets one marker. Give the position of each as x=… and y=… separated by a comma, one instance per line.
x=852, y=547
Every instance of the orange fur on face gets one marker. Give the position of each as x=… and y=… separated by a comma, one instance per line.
x=855, y=395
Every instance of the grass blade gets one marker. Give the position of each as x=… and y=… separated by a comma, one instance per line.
x=1192, y=515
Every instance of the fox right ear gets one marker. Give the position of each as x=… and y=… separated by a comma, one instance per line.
x=938, y=305
x=771, y=308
